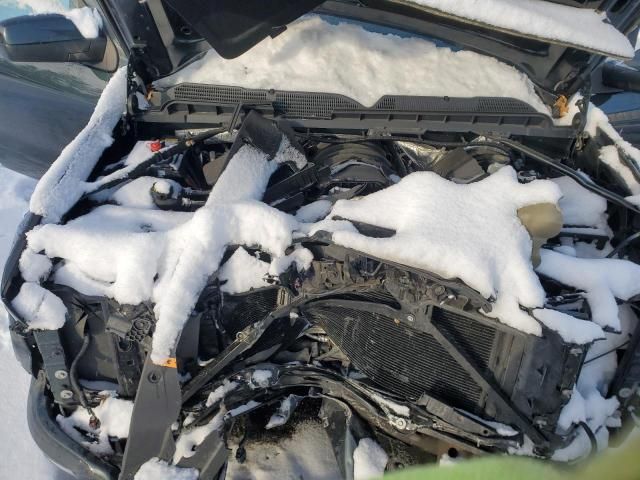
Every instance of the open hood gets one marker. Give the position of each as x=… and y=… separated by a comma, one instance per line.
x=557, y=44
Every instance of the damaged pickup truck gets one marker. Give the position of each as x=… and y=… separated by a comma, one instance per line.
x=395, y=217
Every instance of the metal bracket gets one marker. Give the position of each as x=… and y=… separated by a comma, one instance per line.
x=55, y=365
x=156, y=408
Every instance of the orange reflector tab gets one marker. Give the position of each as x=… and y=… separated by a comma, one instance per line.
x=561, y=107
x=169, y=363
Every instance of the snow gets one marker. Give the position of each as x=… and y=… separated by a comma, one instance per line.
x=250, y=405
x=138, y=154
x=137, y=193
x=572, y=26
x=579, y=206
x=285, y=409
x=87, y=21
x=486, y=247
x=34, y=267
x=369, y=460
x=112, y=251
x=188, y=441
x=242, y=272
x=588, y=401
x=371, y=65
x=21, y=458
x=302, y=257
x=156, y=469
x=220, y=392
x=114, y=415
x=602, y=279
x=314, y=211
x=64, y=183
x=40, y=308
x=610, y=156
x=163, y=187
x=261, y=378
x=195, y=250
x=597, y=120
x=571, y=329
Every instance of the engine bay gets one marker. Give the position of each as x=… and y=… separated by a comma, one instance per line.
x=300, y=307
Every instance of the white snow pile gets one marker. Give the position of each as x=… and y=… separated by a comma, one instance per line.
x=610, y=155
x=371, y=65
x=141, y=254
x=486, y=247
x=603, y=280
x=40, y=308
x=573, y=26
x=314, y=211
x=156, y=469
x=285, y=409
x=65, y=182
x=580, y=207
x=261, y=378
x=188, y=441
x=21, y=457
x=571, y=329
x=114, y=415
x=87, y=20
x=589, y=403
x=242, y=272
x=137, y=254
x=219, y=393
x=369, y=460
x=101, y=250
x=615, y=156
x=34, y=267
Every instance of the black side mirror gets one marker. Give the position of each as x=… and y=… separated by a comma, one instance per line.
x=48, y=38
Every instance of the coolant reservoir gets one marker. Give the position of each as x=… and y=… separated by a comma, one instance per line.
x=543, y=221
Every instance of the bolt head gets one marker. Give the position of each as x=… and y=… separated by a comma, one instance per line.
x=66, y=394
x=400, y=423
x=61, y=374
x=625, y=392
x=411, y=318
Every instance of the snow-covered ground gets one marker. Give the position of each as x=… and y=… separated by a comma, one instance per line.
x=21, y=458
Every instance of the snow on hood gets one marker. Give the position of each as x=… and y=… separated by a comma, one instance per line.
x=581, y=27
x=316, y=56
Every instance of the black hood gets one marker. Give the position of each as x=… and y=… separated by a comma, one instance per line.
x=164, y=35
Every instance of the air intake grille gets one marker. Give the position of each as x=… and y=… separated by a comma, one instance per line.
x=190, y=92
x=311, y=105
x=406, y=361
x=324, y=105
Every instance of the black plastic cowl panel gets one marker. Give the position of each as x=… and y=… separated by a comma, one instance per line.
x=232, y=27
